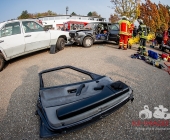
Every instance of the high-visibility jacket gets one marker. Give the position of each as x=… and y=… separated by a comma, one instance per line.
x=131, y=29
x=124, y=26
x=143, y=31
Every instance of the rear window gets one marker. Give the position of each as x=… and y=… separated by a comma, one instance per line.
x=114, y=27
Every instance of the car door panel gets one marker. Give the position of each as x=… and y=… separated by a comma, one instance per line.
x=114, y=32
x=12, y=40
x=35, y=38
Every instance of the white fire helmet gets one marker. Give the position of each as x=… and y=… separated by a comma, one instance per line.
x=124, y=17
x=140, y=21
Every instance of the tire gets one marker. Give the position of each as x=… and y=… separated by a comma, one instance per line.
x=87, y=42
x=60, y=44
x=2, y=62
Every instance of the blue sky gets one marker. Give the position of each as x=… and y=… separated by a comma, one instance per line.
x=12, y=8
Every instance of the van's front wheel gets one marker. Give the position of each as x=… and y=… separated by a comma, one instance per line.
x=87, y=42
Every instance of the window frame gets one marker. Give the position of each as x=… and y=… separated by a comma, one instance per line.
x=4, y=26
x=31, y=30
x=115, y=26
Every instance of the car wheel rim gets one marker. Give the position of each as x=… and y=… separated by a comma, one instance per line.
x=62, y=44
x=88, y=42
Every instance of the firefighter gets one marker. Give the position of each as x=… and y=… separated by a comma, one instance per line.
x=130, y=33
x=124, y=26
x=143, y=33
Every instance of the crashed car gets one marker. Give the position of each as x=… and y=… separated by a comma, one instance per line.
x=95, y=32
x=68, y=107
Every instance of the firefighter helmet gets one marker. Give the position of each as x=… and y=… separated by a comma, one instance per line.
x=140, y=21
x=124, y=18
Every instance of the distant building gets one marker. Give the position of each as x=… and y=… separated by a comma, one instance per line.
x=58, y=21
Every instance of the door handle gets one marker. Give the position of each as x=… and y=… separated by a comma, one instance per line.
x=1, y=41
x=28, y=36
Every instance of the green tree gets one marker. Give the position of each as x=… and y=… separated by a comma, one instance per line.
x=89, y=14
x=24, y=15
x=50, y=13
x=73, y=13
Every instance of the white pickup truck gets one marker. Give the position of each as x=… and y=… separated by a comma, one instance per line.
x=20, y=37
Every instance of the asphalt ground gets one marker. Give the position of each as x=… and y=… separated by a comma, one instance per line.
x=19, y=87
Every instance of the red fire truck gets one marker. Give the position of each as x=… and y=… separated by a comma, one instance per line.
x=74, y=25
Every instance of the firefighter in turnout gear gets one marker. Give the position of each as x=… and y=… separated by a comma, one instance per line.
x=124, y=26
x=143, y=31
x=130, y=33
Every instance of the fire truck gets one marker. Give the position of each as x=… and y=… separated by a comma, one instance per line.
x=74, y=25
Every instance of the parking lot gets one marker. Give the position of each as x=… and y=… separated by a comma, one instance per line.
x=19, y=86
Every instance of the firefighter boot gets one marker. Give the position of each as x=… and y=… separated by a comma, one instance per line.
x=144, y=50
x=125, y=47
x=139, y=48
x=120, y=45
x=129, y=46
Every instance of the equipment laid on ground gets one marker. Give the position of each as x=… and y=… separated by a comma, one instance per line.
x=154, y=63
x=149, y=60
x=153, y=54
x=69, y=107
x=165, y=57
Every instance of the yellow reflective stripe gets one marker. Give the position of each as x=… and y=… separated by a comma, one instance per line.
x=125, y=33
x=125, y=21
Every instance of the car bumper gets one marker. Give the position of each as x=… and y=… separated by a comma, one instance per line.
x=76, y=40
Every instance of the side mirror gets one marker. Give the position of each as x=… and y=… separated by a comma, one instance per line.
x=46, y=28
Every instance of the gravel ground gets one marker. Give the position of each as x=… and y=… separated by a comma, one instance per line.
x=19, y=86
